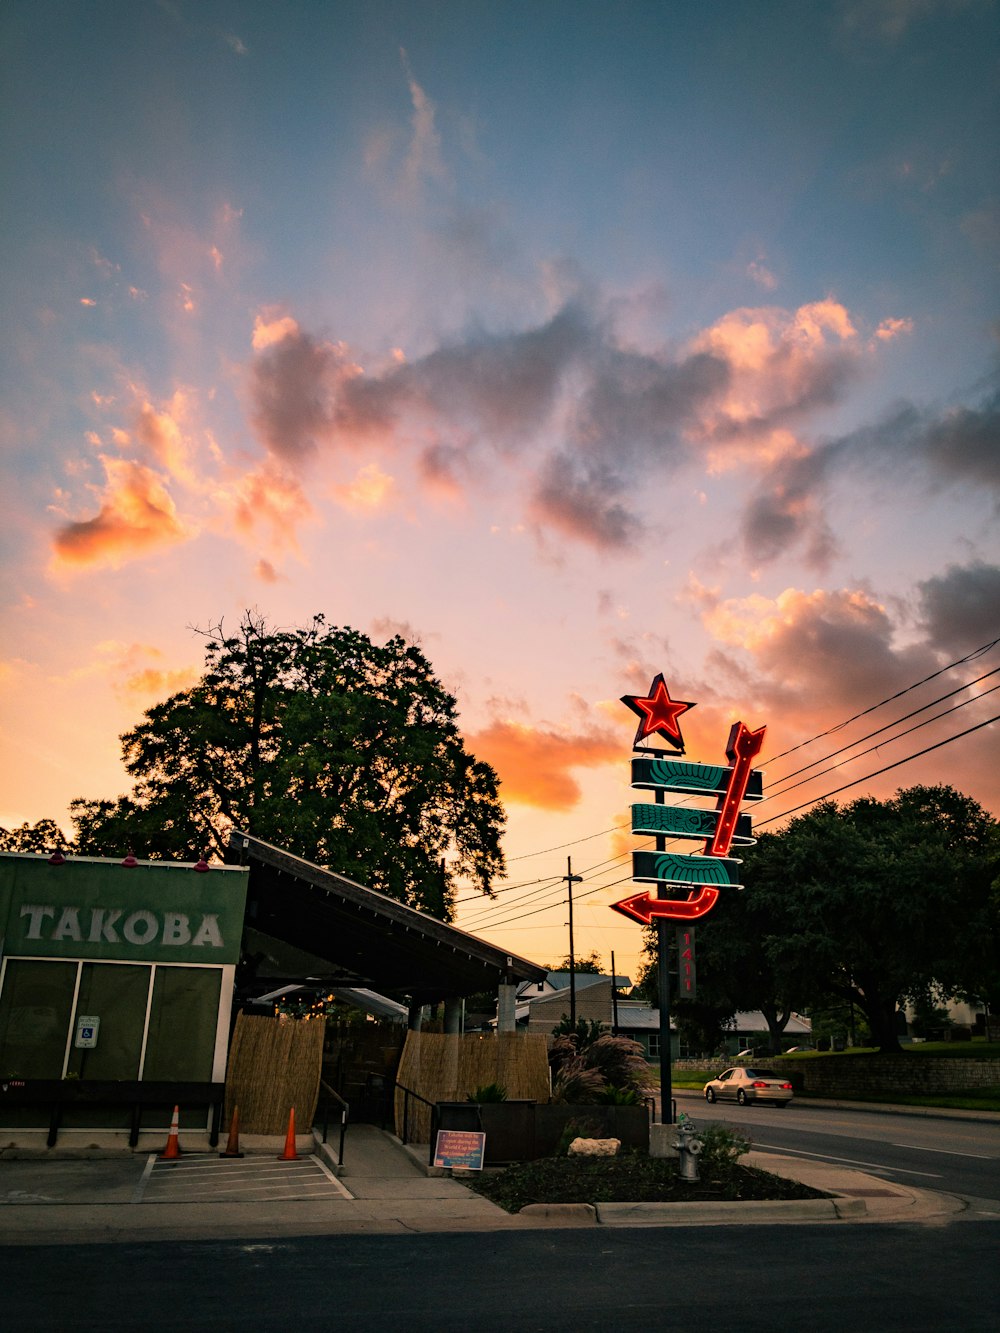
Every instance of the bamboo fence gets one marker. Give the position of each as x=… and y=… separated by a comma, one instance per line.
x=445, y=1067
x=274, y=1065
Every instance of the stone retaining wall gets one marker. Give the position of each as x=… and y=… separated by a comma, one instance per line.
x=850, y=1075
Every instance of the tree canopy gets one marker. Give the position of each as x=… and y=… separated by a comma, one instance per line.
x=318, y=740
x=874, y=903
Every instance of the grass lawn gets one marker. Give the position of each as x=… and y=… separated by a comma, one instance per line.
x=629, y=1178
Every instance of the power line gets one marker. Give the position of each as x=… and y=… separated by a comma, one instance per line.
x=891, y=740
x=773, y=759
x=889, y=725
x=888, y=769
x=969, y=657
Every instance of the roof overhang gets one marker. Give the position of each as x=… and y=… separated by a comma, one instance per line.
x=381, y=944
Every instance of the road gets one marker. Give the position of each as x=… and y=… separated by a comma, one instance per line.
x=960, y=1157
x=825, y=1278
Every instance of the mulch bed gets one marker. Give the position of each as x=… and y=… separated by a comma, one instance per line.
x=629, y=1178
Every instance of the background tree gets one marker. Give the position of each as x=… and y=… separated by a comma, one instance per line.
x=734, y=971
x=322, y=742
x=871, y=904
x=884, y=900
x=590, y=964
x=45, y=836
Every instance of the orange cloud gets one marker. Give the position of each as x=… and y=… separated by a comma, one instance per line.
x=782, y=363
x=369, y=490
x=534, y=764
x=162, y=433
x=137, y=515
x=268, y=330
x=269, y=498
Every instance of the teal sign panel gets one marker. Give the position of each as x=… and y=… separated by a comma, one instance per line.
x=682, y=821
x=677, y=775
x=158, y=912
x=676, y=868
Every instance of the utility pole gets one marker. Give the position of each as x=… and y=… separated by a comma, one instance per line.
x=663, y=996
x=571, y=879
x=614, y=998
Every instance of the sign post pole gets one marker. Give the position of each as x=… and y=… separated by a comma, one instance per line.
x=663, y=997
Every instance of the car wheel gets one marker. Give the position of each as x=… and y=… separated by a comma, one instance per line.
x=741, y=1097
x=781, y=1104
x=709, y=1094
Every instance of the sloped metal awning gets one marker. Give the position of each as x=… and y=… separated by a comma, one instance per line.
x=375, y=941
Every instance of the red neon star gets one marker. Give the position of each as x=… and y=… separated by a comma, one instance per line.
x=657, y=713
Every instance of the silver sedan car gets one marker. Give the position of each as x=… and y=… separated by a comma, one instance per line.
x=749, y=1085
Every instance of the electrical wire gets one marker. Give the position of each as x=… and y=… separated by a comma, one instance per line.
x=888, y=769
x=548, y=887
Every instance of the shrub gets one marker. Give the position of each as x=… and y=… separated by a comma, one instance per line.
x=620, y=1061
x=722, y=1148
x=576, y=1083
x=489, y=1092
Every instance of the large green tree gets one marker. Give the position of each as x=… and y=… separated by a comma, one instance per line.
x=319, y=740
x=873, y=904
x=891, y=898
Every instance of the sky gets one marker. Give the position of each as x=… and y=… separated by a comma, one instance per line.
x=574, y=341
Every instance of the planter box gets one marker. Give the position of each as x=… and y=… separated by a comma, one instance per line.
x=628, y=1123
x=509, y=1127
x=521, y=1131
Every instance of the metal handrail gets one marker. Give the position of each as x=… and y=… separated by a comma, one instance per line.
x=345, y=1110
x=407, y=1094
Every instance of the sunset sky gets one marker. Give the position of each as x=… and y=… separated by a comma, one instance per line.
x=575, y=341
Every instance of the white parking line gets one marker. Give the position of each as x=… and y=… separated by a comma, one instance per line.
x=205, y=1178
x=950, y=1152
x=851, y=1161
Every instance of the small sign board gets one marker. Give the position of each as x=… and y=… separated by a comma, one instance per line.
x=87, y=1028
x=463, y=1148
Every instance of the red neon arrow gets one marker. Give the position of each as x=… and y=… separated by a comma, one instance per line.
x=742, y=747
x=640, y=907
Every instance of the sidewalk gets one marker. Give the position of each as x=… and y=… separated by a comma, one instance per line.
x=383, y=1189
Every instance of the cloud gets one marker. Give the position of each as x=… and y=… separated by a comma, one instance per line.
x=814, y=651
x=961, y=607
x=782, y=364
x=137, y=516
x=584, y=419
x=535, y=764
x=493, y=397
x=267, y=573
x=889, y=20
x=893, y=328
x=268, y=498
x=758, y=272
x=163, y=434
x=423, y=159
x=957, y=447
x=370, y=489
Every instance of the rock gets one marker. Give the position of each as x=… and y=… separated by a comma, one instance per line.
x=594, y=1147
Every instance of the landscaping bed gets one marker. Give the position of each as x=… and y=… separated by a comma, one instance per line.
x=630, y=1178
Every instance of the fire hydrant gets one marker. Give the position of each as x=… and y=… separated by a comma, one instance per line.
x=688, y=1147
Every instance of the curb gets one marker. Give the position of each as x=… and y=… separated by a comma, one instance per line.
x=769, y=1210
x=566, y=1214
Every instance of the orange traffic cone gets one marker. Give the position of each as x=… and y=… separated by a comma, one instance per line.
x=173, y=1148
x=233, y=1142
x=290, y=1155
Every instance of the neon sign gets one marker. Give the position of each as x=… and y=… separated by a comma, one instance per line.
x=658, y=714
x=704, y=875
